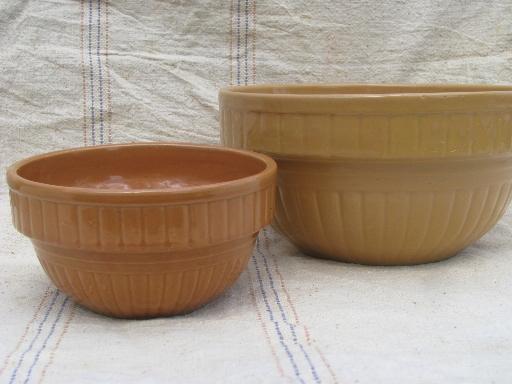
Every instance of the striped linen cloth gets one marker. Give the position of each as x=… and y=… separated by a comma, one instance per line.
x=85, y=72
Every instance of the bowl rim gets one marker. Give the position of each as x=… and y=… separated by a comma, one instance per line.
x=447, y=97
x=428, y=89
x=213, y=191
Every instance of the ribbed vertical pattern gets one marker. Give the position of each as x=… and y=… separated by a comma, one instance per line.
x=237, y=119
x=389, y=227
x=135, y=228
x=199, y=224
x=50, y=222
x=36, y=218
x=153, y=225
x=110, y=228
x=219, y=228
x=169, y=288
x=24, y=215
x=383, y=136
x=131, y=226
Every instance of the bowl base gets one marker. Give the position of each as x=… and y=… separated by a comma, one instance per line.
x=380, y=261
x=145, y=285
x=142, y=316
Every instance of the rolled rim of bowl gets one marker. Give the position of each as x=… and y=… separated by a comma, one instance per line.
x=367, y=98
x=223, y=189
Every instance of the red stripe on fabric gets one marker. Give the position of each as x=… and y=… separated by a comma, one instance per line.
x=254, y=42
x=82, y=66
x=55, y=348
x=107, y=70
x=231, y=43
x=294, y=311
x=264, y=327
x=22, y=338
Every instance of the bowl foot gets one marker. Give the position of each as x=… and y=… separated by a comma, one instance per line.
x=379, y=260
x=146, y=285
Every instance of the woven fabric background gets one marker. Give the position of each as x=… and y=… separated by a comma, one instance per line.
x=84, y=72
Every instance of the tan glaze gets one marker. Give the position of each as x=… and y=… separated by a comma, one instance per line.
x=143, y=230
x=380, y=174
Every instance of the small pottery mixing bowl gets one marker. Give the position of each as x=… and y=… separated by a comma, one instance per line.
x=143, y=230
x=389, y=174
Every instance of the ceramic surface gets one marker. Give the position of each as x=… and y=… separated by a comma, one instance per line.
x=143, y=230
x=380, y=174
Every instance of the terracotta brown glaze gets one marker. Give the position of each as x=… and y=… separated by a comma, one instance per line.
x=143, y=230
x=380, y=174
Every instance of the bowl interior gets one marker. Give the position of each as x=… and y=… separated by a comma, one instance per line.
x=151, y=166
x=367, y=89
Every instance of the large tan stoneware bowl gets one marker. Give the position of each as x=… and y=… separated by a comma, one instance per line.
x=389, y=174
x=143, y=230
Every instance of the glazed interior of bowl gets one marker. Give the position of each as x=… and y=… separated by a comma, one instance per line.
x=140, y=167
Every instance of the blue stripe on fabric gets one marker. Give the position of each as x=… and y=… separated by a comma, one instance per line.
x=285, y=319
x=45, y=343
x=272, y=318
x=246, y=42
x=93, y=132
x=238, y=43
x=100, y=76
x=34, y=339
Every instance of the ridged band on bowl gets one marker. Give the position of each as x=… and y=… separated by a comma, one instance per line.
x=395, y=126
x=144, y=228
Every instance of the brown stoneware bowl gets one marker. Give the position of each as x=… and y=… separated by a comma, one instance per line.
x=143, y=230
x=380, y=174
